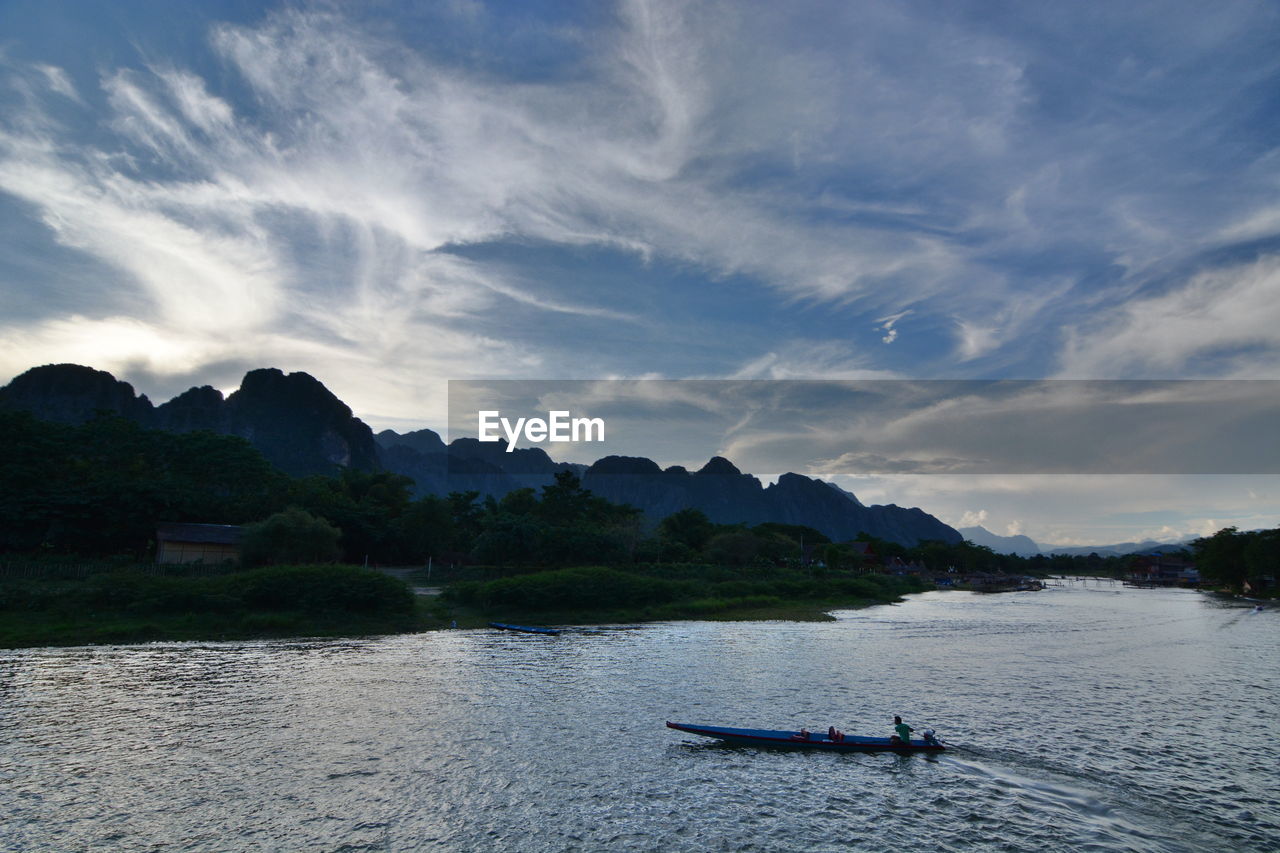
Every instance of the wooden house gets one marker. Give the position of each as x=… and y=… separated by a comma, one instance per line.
x=198, y=543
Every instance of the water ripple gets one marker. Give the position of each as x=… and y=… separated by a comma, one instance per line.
x=1084, y=719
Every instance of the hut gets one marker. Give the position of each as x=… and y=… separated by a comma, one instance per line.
x=198, y=543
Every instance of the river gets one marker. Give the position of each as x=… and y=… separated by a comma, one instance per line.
x=1083, y=717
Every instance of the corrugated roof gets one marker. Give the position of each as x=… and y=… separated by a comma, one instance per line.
x=218, y=534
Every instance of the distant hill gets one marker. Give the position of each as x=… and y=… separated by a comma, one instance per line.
x=1148, y=546
x=729, y=496
x=303, y=428
x=1023, y=546
x=1026, y=547
x=467, y=464
x=719, y=489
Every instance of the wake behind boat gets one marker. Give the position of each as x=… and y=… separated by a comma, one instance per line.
x=814, y=740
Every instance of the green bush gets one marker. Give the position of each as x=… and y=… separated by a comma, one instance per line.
x=688, y=589
x=321, y=589
x=27, y=595
x=566, y=589
x=310, y=589
x=713, y=606
x=292, y=536
x=134, y=606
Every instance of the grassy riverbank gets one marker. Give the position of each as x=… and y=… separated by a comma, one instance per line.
x=130, y=606
x=594, y=595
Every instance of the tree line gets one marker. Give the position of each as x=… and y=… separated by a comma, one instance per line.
x=98, y=490
x=1244, y=562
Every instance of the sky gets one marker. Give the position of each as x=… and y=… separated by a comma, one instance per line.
x=392, y=195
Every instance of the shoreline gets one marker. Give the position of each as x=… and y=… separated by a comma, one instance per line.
x=31, y=631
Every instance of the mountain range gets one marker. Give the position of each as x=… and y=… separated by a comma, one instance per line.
x=1146, y=546
x=303, y=428
x=1024, y=546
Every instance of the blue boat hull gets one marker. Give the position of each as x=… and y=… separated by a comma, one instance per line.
x=793, y=740
x=523, y=629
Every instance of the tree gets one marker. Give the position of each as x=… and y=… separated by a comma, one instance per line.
x=1262, y=554
x=776, y=548
x=798, y=533
x=1221, y=557
x=291, y=536
x=363, y=505
x=100, y=488
x=565, y=501
x=467, y=518
x=508, y=539
x=689, y=527
x=885, y=549
x=733, y=548
x=519, y=502
x=834, y=556
x=425, y=529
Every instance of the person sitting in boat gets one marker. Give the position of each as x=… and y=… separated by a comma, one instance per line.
x=804, y=735
x=903, y=732
x=834, y=735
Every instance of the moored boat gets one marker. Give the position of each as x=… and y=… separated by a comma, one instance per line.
x=523, y=629
x=807, y=740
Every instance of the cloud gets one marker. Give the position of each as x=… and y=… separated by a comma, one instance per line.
x=1085, y=510
x=1220, y=321
x=361, y=129
x=975, y=340
x=160, y=359
x=886, y=325
x=461, y=160
x=330, y=210
x=863, y=463
x=337, y=183
x=973, y=519
x=111, y=342
x=192, y=277
x=811, y=360
x=981, y=337
x=859, y=427
x=58, y=81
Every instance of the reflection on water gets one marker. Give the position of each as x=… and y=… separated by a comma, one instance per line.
x=1083, y=717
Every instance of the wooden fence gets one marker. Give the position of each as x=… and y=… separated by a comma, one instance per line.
x=28, y=570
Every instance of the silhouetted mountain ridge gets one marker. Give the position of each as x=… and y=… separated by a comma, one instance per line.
x=293, y=420
x=303, y=428
x=728, y=496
